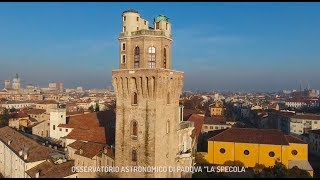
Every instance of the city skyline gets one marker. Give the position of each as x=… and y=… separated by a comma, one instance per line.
x=228, y=46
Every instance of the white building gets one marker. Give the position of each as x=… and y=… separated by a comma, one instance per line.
x=314, y=142
x=17, y=104
x=57, y=116
x=295, y=104
x=299, y=124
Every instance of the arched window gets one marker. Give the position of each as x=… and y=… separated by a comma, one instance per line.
x=134, y=128
x=152, y=57
x=136, y=57
x=135, y=98
x=123, y=59
x=134, y=156
x=168, y=98
x=123, y=46
x=164, y=58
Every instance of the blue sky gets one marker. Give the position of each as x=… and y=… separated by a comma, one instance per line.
x=219, y=46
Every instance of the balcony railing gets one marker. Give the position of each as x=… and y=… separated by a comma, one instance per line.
x=144, y=32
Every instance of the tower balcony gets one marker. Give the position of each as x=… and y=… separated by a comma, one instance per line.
x=146, y=32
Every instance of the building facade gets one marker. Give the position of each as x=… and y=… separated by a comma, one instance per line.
x=147, y=93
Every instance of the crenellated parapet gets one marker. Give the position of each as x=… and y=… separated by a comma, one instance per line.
x=149, y=84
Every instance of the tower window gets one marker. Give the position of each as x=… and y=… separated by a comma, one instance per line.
x=123, y=46
x=137, y=18
x=124, y=29
x=54, y=127
x=136, y=57
x=137, y=28
x=145, y=22
x=135, y=99
x=134, y=128
x=123, y=60
x=134, y=157
x=166, y=26
x=152, y=57
x=124, y=18
x=168, y=127
x=164, y=58
x=168, y=98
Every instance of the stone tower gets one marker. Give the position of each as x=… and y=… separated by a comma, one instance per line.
x=147, y=97
x=16, y=83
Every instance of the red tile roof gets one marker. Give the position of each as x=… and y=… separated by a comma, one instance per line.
x=90, y=149
x=20, y=114
x=292, y=139
x=36, y=152
x=96, y=134
x=48, y=169
x=77, y=144
x=250, y=135
x=47, y=102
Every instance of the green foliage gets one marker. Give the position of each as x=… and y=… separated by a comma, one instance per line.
x=298, y=173
x=4, y=118
x=233, y=163
x=91, y=108
x=97, y=108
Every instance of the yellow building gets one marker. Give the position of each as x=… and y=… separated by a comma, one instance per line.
x=217, y=109
x=262, y=146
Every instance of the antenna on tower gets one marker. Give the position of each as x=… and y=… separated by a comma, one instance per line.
x=17, y=76
x=308, y=87
x=300, y=86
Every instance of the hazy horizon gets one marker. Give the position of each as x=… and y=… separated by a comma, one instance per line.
x=219, y=46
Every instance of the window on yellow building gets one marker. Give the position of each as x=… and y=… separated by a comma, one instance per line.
x=246, y=152
x=271, y=154
x=294, y=152
x=222, y=150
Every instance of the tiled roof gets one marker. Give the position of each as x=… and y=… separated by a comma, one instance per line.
x=36, y=111
x=292, y=139
x=90, y=149
x=188, y=112
x=97, y=134
x=250, y=135
x=48, y=169
x=198, y=122
x=76, y=145
x=36, y=152
x=20, y=114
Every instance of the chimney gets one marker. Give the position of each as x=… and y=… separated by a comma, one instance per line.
x=9, y=142
x=65, y=149
x=20, y=152
x=25, y=156
x=37, y=174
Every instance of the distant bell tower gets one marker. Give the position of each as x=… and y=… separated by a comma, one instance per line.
x=147, y=96
x=16, y=83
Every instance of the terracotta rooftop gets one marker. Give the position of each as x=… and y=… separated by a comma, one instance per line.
x=292, y=139
x=48, y=169
x=36, y=152
x=250, y=135
x=198, y=122
x=74, y=113
x=97, y=135
x=19, y=114
x=35, y=111
x=77, y=144
x=188, y=112
x=90, y=149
